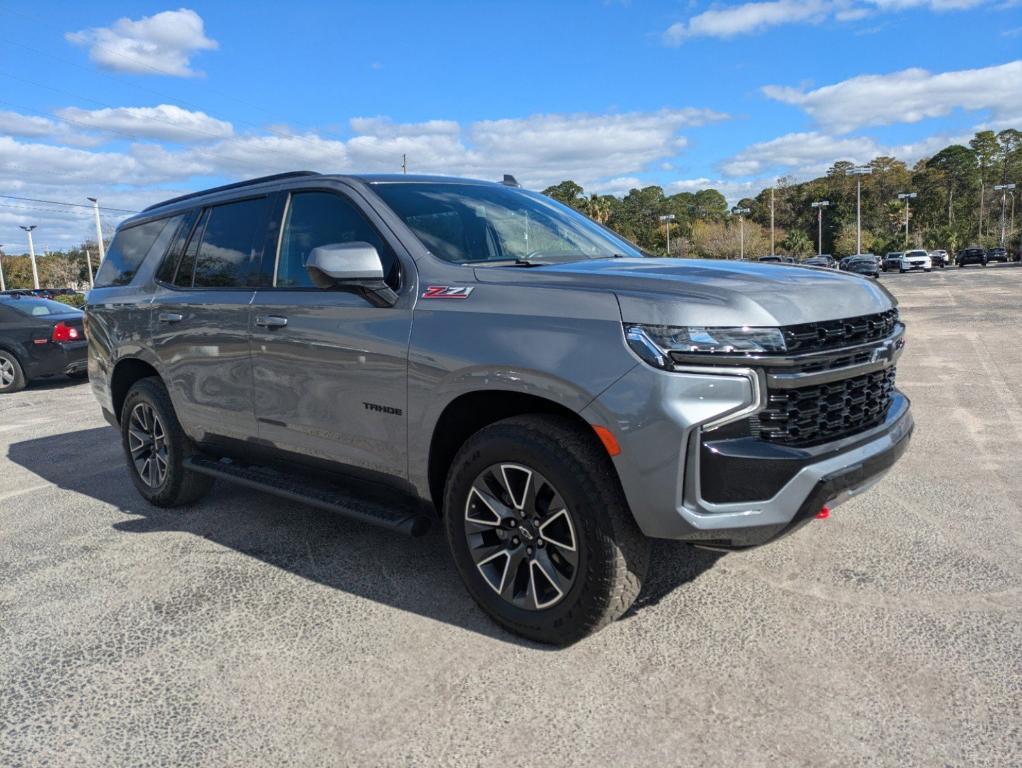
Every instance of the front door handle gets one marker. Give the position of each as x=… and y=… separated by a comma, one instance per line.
x=270, y=321
x=170, y=317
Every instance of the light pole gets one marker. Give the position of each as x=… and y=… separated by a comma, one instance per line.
x=31, y=254
x=3, y=285
x=99, y=229
x=88, y=263
x=741, y=212
x=771, y=221
x=667, y=219
x=859, y=171
x=819, y=206
x=1004, y=191
x=906, y=196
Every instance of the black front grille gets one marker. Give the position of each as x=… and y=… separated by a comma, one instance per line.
x=824, y=412
x=835, y=334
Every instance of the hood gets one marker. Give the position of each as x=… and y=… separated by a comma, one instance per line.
x=708, y=292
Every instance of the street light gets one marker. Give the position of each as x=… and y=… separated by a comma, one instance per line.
x=906, y=196
x=667, y=219
x=1004, y=190
x=740, y=212
x=31, y=253
x=99, y=229
x=859, y=171
x=819, y=206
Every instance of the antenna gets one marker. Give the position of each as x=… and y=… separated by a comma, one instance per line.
x=510, y=181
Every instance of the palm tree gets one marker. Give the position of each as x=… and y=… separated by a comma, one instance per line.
x=596, y=208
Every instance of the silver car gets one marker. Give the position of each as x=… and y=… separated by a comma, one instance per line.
x=405, y=350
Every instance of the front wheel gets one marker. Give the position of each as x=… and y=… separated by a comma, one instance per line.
x=156, y=447
x=540, y=530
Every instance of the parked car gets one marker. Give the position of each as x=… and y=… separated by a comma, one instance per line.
x=38, y=338
x=862, y=264
x=495, y=361
x=821, y=261
x=971, y=256
x=939, y=258
x=891, y=261
x=775, y=259
x=997, y=254
x=912, y=260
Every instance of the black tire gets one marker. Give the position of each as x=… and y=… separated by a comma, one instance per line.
x=177, y=486
x=612, y=553
x=901, y=271
x=11, y=373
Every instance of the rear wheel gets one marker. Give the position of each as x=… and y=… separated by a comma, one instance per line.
x=12, y=377
x=540, y=530
x=156, y=447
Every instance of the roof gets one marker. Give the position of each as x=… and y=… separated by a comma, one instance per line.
x=371, y=178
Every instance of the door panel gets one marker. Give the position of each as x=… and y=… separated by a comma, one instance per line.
x=331, y=383
x=202, y=340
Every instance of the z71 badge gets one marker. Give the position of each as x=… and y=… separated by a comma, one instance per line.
x=448, y=292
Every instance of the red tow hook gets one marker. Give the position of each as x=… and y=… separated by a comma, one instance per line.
x=823, y=514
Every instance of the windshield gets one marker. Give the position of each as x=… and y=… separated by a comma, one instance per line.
x=39, y=307
x=480, y=223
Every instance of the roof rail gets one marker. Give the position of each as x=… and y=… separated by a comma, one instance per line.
x=235, y=185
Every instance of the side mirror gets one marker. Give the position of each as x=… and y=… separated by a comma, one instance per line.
x=350, y=266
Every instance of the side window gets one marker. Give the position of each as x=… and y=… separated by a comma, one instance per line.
x=168, y=268
x=231, y=241
x=130, y=247
x=325, y=218
x=186, y=269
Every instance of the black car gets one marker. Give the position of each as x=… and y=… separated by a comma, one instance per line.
x=866, y=264
x=821, y=261
x=971, y=256
x=997, y=254
x=38, y=338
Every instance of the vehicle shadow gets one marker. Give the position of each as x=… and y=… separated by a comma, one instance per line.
x=414, y=575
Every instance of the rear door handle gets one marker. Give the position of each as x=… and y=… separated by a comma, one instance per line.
x=170, y=317
x=270, y=321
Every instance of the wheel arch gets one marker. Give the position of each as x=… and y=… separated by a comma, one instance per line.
x=126, y=372
x=472, y=411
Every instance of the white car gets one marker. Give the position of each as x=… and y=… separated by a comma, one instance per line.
x=918, y=259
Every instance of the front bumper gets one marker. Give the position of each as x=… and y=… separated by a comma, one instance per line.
x=659, y=420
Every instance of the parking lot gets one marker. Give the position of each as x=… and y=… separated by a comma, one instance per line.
x=247, y=630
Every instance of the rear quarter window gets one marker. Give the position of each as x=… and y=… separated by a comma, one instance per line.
x=130, y=248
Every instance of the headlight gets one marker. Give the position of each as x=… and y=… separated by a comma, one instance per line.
x=653, y=342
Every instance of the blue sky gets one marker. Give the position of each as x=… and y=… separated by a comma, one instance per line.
x=134, y=102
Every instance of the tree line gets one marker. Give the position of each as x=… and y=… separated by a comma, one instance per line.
x=955, y=205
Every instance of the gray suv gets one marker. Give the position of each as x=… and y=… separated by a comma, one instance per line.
x=402, y=349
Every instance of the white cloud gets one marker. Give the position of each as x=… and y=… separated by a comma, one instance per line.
x=622, y=185
x=15, y=124
x=807, y=153
x=812, y=153
x=604, y=153
x=750, y=18
x=165, y=122
x=907, y=96
x=746, y=19
x=160, y=44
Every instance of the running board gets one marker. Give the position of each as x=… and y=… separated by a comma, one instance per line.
x=403, y=515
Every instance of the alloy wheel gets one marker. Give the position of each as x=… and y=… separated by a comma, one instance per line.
x=147, y=443
x=6, y=372
x=521, y=536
